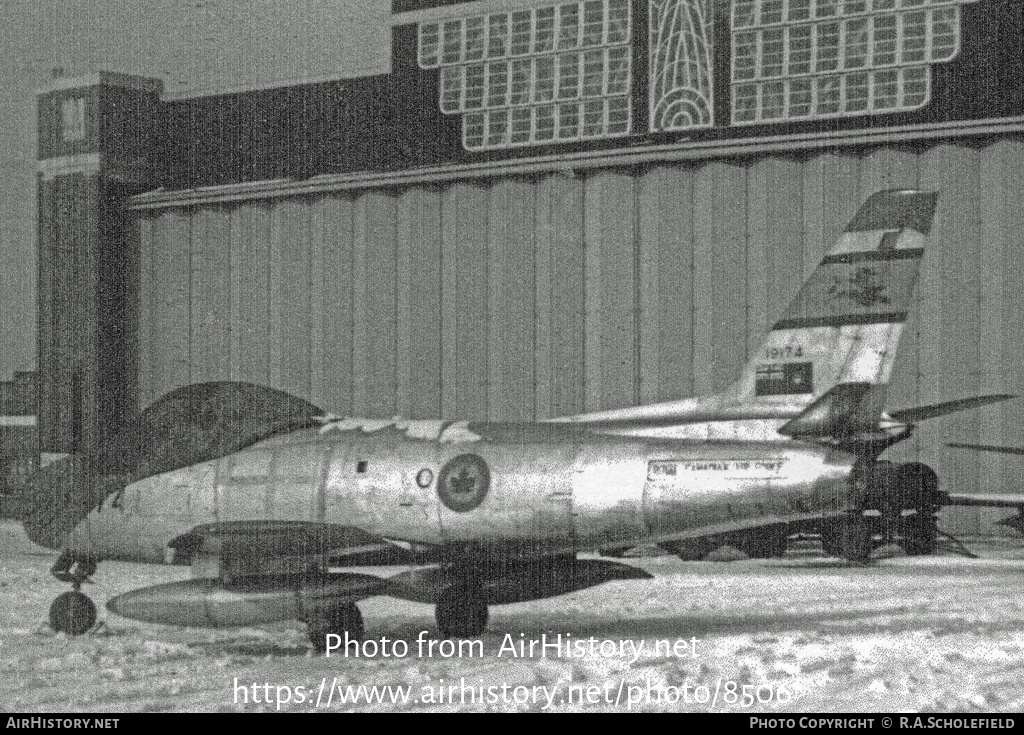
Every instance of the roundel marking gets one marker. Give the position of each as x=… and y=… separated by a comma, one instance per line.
x=464, y=482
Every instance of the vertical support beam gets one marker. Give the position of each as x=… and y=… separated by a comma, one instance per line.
x=95, y=137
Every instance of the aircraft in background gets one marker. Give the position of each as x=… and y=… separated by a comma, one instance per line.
x=992, y=500
x=266, y=497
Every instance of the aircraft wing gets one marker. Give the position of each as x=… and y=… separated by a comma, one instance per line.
x=989, y=448
x=251, y=548
x=994, y=500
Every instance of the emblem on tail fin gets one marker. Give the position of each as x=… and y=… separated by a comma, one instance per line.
x=865, y=288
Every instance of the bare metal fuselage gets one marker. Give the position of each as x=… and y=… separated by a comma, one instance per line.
x=552, y=488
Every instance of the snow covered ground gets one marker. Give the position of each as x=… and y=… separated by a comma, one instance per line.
x=801, y=634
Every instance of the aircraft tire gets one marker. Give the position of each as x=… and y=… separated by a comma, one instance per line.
x=338, y=620
x=919, y=486
x=762, y=543
x=72, y=613
x=920, y=534
x=849, y=538
x=461, y=613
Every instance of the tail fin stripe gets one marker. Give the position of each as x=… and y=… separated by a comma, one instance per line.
x=874, y=255
x=841, y=320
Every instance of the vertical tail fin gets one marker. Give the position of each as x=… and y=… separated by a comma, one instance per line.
x=844, y=325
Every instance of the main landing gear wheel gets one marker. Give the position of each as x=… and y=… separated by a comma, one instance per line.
x=919, y=488
x=72, y=613
x=920, y=534
x=849, y=538
x=339, y=621
x=762, y=543
x=461, y=613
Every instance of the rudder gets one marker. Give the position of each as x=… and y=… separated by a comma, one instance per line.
x=844, y=325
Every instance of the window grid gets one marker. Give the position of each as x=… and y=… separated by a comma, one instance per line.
x=526, y=77
x=851, y=44
x=855, y=93
x=557, y=123
x=580, y=75
x=567, y=27
x=756, y=13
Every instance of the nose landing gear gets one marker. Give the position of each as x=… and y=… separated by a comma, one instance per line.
x=73, y=612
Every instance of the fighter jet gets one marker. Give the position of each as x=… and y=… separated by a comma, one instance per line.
x=992, y=500
x=269, y=498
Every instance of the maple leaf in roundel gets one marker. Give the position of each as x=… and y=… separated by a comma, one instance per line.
x=464, y=483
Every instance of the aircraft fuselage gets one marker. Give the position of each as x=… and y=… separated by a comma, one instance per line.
x=551, y=487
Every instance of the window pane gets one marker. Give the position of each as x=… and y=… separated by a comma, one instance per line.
x=544, y=88
x=855, y=51
x=828, y=95
x=772, y=52
x=856, y=92
x=743, y=13
x=473, y=130
x=521, y=126
x=544, y=38
x=545, y=125
x=744, y=103
x=452, y=48
x=799, y=50
x=593, y=22
x=593, y=118
x=773, y=100
x=827, y=47
x=771, y=11
x=521, y=28
x=568, y=121
x=799, y=98
x=593, y=73
x=618, y=115
x=430, y=36
x=497, y=84
x=799, y=9
x=474, y=87
x=618, y=22
x=744, y=60
x=568, y=76
x=883, y=48
x=497, y=128
x=915, y=29
x=618, y=70
x=497, y=35
x=519, y=87
x=474, y=39
x=568, y=26
x=451, y=89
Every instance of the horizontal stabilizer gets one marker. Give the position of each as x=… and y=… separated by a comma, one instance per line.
x=990, y=448
x=992, y=500
x=919, y=413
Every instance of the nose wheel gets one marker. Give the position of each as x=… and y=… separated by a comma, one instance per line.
x=73, y=612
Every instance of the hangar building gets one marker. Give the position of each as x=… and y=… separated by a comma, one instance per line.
x=537, y=208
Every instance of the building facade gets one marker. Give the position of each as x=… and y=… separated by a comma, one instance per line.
x=543, y=208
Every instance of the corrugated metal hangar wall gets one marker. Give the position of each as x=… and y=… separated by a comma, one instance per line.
x=526, y=297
